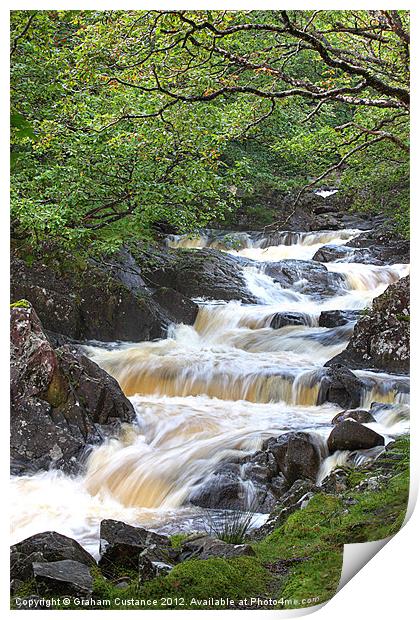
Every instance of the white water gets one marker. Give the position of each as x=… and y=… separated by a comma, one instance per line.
x=212, y=391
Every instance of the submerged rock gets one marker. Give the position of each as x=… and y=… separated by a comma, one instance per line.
x=337, y=318
x=65, y=577
x=258, y=481
x=306, y=277
x=381, y=338
x=253, y=483
x=350, y=435
x=358, y=415
x=346, y=253
x=383, y=245
x=280, y=319
x=61, y=402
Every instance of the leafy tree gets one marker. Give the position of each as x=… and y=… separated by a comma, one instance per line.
x=121, y=119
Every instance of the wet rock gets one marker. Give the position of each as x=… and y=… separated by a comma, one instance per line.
x=384, y=246
x=201, y=273
x=298, y=455
x=65, y=577
x=205, y=547
x=335, y=483
x=222, y=489
x=350, y=435
x=331, y=253
x=178, y=307
x=280, y=319
x=87, y=303
x=346, y=253
x=336, y=318
x=358, y=415
x=59, y=399
x=339, y=385
x=381, y=338
x=306, y=277
x=254, y=483
x=45, y=547
x=104, y=299
x=129, y=547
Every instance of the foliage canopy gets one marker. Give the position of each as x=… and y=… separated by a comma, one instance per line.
x=121, y=119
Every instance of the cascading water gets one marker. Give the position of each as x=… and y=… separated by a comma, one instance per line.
x=215, y=390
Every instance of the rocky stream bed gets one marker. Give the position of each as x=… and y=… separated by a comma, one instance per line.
x=160, y=392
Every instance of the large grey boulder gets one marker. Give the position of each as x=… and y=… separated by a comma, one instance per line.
x=308, y=277
x=65, y=577
x=350, y=435
x=298, y=455
x=129, y=547
x=200, y=273
x=45, y=547
x=61, y=402
x=381, y=338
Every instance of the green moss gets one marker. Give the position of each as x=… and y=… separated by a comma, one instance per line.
x=22, y=303
x=177, y=540
x=58, y=390
x=213, y=578
x=313, y=581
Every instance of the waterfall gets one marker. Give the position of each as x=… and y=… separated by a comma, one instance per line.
x=215, y=391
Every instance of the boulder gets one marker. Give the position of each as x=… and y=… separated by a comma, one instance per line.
x=341, y=386
x=221, y=489
x=200, y=273
x=65, y=577
x=253, y=483
x=280, y=319
x=337, y=318
x=298, y=455
x=178, y=307
x=104, y=299
x=358, y=415
x=330, y=253
x=61, y=402
x=383, y=245
x=381, y=338
x=347, y=254
x=306, y=277
x=128, y=547
x=203, y=547
x=351, y=435
x=45, y=547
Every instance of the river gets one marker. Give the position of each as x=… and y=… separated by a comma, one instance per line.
x=214, y=390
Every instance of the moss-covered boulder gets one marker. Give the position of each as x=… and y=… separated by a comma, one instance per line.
x=105, y=300
x=61, y=402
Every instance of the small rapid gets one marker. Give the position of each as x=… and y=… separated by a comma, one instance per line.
x=215, y=391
